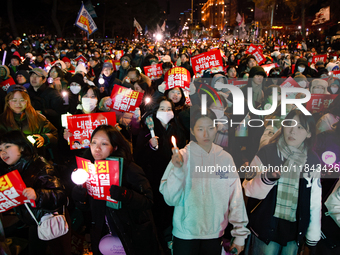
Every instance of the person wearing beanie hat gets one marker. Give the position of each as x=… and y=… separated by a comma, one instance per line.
x=319, y=87
x=106, y=80
x=22, y=78
x=256, y=81
x=334, y=86
x=4, y=72
x=76, y=84
x=81, y=69
x=301, y=80
x=69, y=66
x=166, y=58
x=14, y=66
x=125, y=65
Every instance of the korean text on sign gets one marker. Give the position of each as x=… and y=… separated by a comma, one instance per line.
x=177, y=77
x=154, y=71
x=11, y=187
x=319, y=102
x=125, y=99
x=102, y=174
x=208, y=60
x=82, y=125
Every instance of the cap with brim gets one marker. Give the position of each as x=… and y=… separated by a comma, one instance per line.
x=16, y=88
x=40, y=72
x=108, y=65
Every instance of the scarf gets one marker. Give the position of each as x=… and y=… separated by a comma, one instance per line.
x=257, y=93
x=288, y=184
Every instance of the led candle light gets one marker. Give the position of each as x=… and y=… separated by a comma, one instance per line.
x=31, y=139
x=173, y=140
x=79, y=176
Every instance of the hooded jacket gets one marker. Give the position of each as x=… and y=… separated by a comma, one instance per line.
x=205, y=201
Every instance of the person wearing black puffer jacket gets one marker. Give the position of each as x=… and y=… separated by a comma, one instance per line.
x=43, y=186
x=302, y=67
x=133, y=222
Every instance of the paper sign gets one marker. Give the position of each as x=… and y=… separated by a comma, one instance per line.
x=207, y=60
x=319, y=102
x=116, y=64
x=11, y=188
x=7, y=83
x=125, y=99
x=238, y=83
x=102, y=174
x=317, y=58
x=268, y=67
x=82, y=125
x=177, y=77
x=252, y=48
x=290, y=82
x=260, y=59
x=336, y=74
x=154, y=71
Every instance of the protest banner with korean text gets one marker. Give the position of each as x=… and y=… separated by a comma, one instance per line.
x=268, y=67
x=82, y=125
x=154, y=71
x=317, y=58
x=11, y=188
x=125, y=99
x=207, y=60
x=319, y=102
x=102, y=174
x=177, y=77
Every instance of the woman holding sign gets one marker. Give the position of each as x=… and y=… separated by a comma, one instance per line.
x=133, y=222
x=284, y=190
x=17, y=153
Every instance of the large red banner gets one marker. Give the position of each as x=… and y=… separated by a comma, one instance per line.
x=207, y=60
x=82, y=125
x=317, y=58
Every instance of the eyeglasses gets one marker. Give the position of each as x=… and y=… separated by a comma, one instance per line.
x=21, y=101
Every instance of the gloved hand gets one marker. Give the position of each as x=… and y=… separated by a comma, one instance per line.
x=79, y=194
x=120, y=193
x=161, y=88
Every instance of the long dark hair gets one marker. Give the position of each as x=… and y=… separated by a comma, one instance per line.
x=18, y=138
x=181, y=102
x=124, y=148
x=308, y=123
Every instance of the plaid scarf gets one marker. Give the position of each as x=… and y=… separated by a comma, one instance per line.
x=288, y=184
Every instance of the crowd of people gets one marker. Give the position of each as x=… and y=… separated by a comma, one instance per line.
x=171, y=203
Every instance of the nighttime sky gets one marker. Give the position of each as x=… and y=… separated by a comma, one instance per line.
x=177, y=6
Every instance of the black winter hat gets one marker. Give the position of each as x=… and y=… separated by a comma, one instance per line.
x=77, y=78
x=301, y=61
x=25, y=74
x=257, y=70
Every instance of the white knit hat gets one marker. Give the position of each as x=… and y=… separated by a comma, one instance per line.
x=80, y=68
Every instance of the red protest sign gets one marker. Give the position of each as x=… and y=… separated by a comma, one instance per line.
x=207, y=60
x=7, y=83
x=154, y=71
x=124, y=99
x=319, y=102
x=11, y=188
x=290, y=82
x=119, y=54
x=102, y=174
x=317, y=58
x=293, y=68
x=177, y=77
x=82, y=125
x=276, y=47
x=268, y=67
x=260, y=59
x=116, y=64
x=251, y=49
x=239, y=83
x=336, y=74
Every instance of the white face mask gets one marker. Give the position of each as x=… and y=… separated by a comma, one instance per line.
x=12, y=50
x=89, y=104
x=219, y=113
x=75, y=89
x=302, y=84
x=334, y=89
x=301, y=69
x=165, y=117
